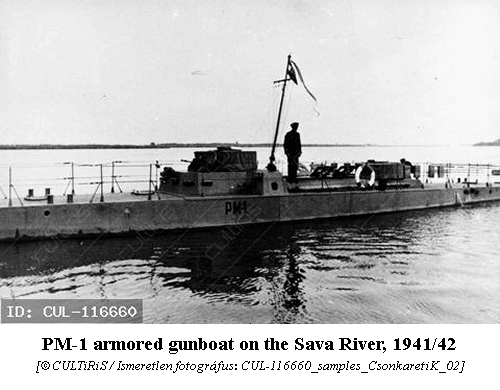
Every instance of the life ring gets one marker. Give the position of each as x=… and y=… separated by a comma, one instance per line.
x=362, y=183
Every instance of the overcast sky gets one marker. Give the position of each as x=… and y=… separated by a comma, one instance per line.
x=400, y=72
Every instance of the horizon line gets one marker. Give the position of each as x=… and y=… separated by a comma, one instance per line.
x=169, y=145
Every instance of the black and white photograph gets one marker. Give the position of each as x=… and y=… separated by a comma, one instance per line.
x=253, y=162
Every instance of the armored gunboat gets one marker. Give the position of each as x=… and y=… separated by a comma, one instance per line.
x=226, y=188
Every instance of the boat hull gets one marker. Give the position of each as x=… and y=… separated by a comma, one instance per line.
x=122, y=217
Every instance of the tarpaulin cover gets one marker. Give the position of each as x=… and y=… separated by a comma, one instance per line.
x=224, y=159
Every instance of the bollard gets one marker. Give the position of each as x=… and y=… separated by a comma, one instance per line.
x=31, y=193
x=50, y=199
x=47, y=191
x=70, y=198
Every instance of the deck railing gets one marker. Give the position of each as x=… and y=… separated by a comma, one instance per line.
x=99, y=179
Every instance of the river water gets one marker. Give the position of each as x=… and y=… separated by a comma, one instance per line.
x=433, y=266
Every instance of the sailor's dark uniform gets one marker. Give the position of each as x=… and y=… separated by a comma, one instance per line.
x=293, y=150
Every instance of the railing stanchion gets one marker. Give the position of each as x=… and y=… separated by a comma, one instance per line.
x=10, y=186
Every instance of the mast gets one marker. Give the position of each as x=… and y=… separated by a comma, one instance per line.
x=271, y=167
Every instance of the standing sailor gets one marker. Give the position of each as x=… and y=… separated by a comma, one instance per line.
x=293, y=150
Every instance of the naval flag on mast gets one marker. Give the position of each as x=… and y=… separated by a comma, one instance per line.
x=294, y=65
x=293, y=71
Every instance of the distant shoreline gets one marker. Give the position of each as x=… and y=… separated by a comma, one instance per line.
x=188, y=145
x=159, y=146
x=494, y=143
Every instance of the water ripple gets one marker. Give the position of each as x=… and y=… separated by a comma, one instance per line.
x=430, y=266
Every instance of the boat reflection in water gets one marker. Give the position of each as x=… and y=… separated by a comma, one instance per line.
x=219, y=266
x=407, y=267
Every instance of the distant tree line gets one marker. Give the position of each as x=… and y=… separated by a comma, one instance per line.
x=154, y=146
x=494, y=143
